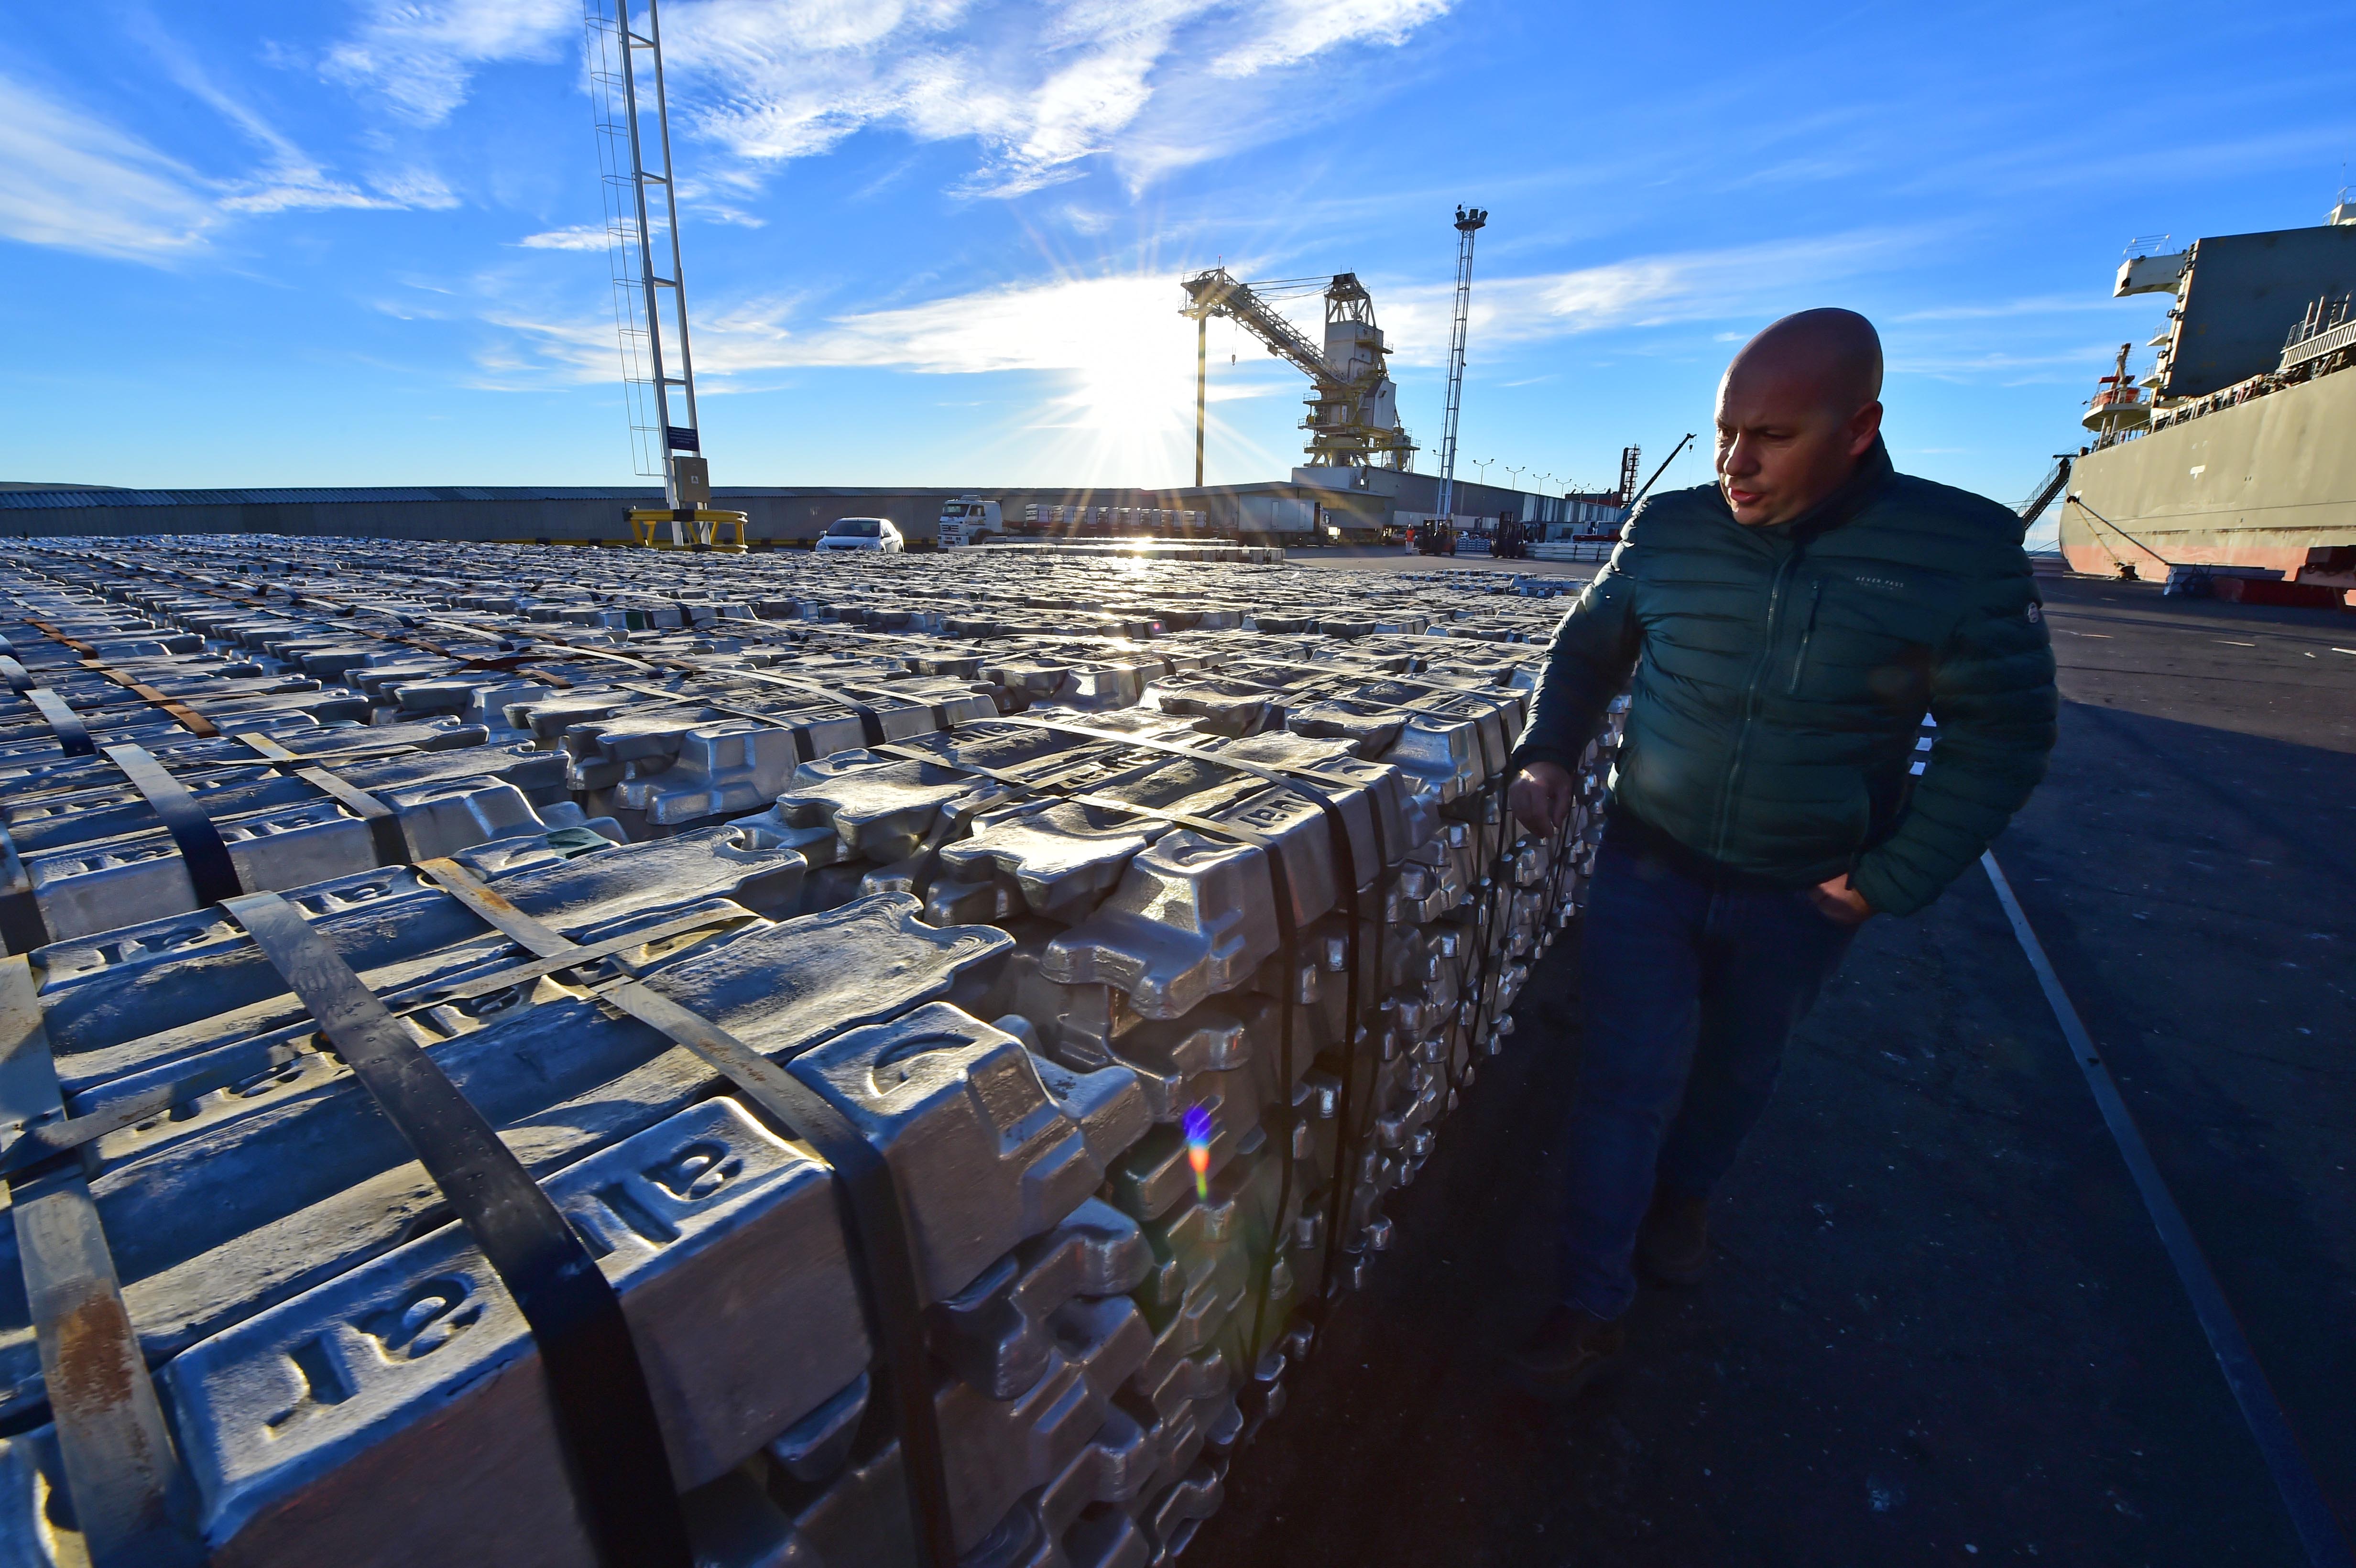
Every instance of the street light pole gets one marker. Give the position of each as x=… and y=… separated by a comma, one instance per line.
x=1202, y=375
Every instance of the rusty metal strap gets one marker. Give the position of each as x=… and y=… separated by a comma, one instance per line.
x=75, y=644
x=606, y=1417
x=874, y=1214
x=211, y=871
x=131, y=1496
x=179, y=713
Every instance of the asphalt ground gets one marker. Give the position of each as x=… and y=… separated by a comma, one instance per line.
x=1940, y=1327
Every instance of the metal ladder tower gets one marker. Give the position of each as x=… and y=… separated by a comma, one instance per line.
x=1468, y=223
x=633, y=123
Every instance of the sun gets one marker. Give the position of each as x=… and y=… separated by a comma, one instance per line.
x=1125, y=411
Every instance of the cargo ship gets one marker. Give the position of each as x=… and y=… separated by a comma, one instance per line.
x=2234, y=452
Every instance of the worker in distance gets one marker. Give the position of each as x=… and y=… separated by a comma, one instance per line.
x=1786, y=629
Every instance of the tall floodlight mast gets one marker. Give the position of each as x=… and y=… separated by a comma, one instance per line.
x=1468, y=223
x=625, y=84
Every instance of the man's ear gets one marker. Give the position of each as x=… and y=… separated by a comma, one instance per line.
x=1863, y=426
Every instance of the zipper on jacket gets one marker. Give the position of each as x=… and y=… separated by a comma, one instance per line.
x=1815, y=597
x=1750, y=708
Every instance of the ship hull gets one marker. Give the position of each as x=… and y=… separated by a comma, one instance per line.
x=2258, y=485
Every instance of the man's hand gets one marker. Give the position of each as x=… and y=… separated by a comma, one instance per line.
x=1839, y=902
x=1541, y=796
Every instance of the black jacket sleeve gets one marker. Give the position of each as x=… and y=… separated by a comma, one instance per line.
x=1586, y=665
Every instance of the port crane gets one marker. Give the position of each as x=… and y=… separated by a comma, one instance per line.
x=1353, y=418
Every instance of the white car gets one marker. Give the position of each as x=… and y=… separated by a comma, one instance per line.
x=862, y=533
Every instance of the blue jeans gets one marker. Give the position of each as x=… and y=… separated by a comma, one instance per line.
x=1689, y=995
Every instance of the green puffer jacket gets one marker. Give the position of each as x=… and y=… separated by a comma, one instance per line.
x=1782, y=674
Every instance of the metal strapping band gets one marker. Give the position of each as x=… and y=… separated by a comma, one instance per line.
x=110, y=1107
x=803, y=750
x=22, y=926
x=385, y=832
x=75, y=644
x=1282, y=774
x=1499, y=884
x=179, y=713
x=131, y=1496
x=875, y=1218
x=605, y=1416
x=73, y=739
x=1288, y=935
x=19, y=678
x=869, y=722
x=211, y=869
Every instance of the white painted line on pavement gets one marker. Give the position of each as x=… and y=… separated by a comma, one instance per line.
x=2310, y=1516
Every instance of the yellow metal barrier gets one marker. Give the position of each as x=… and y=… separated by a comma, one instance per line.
x=700, y=529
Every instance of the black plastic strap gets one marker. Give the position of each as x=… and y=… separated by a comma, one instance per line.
x=605, y=1416
x=871, y=723
x=385, y=834
x=1288, y=935
x=211, y=871
x=22, y=926
x=1500, y=883
x=109, y=1108
x=874, y=1215
x=73, y=738
x=803, y=750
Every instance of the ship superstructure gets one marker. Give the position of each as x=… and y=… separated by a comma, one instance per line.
x=2238, y=447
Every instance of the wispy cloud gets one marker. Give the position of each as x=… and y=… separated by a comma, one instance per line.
x=78, y=183
x=82, y=183
x=581, y=237
x=1041, y=88
x=289, y=180
x=1107, y=328
x=1699, y=285
x=420, y=56
x=305, y=187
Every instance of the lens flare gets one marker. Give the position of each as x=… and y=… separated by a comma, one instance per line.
x=1197, y=1124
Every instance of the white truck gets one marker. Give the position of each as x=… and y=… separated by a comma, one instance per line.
x=967, y=520
x=1279, y=519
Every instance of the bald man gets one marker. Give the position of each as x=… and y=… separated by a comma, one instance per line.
x=1786, y=629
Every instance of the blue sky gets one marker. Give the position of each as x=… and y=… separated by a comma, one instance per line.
x=355, y=241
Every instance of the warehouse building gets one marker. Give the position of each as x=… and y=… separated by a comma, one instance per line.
x=1359, y=504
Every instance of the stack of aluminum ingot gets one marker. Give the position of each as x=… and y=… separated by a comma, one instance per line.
x=1147, y=916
